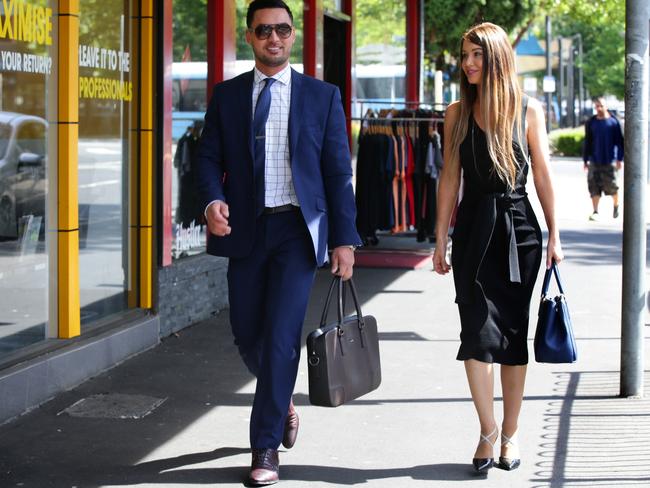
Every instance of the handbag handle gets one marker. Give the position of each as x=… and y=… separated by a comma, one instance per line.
x=547, y=279
x=341, y=301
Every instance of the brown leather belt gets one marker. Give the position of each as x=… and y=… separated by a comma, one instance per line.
x=282, y=208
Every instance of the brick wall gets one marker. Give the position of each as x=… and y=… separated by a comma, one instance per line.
x=192, y=289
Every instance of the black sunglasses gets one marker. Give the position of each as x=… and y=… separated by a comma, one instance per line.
x=263, y=31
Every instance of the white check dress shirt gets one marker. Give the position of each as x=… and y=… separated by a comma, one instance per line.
x=278, y=182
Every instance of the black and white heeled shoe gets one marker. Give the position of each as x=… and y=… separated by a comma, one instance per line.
x=482, y=465
x=507, y=463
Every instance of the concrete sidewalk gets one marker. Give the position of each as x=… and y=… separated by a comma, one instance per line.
x=418, y=429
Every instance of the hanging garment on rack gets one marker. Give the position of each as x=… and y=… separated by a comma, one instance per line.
x=395, y=189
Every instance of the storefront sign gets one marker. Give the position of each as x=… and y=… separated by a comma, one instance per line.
x=23, y=21
x=25, y=24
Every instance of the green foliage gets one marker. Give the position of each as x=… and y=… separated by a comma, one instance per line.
x=380, y=22
x=99, y=23
x=567, y=142
x=189, y=20
x=601, y=23
x=447, y=20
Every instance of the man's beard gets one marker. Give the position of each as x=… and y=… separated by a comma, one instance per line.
x=270, y=61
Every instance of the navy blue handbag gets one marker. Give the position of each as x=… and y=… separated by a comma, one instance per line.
x=554, y=340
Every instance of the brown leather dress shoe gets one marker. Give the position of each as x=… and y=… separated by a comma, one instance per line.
x=265, y=467
x=290, y=427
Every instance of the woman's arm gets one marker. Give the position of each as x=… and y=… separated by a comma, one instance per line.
x=447, y=193
x=540, y=159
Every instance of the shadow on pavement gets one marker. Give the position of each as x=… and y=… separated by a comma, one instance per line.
x=196, y=371
x=158, y=472
x=596, y=247
x=594, y=441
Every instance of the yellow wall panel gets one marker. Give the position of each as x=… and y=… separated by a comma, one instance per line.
x=146, y=107
x=147, y=8
x=68, y=284
x=68, y=79
x=146, y=271
x=68, y=208
x=146, y=179
x=69, y=7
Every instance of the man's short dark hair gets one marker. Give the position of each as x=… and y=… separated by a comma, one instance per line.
x=260, y=4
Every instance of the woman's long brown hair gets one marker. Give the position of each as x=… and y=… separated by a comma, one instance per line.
x=500, y=100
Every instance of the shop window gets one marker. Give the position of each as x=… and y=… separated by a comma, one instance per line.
x=27, y=73
x=105, y=105
x=380, y=70
x=189, y=103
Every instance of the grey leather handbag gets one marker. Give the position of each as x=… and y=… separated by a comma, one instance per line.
x=343, y=356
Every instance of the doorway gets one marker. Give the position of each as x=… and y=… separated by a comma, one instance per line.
x=334, y=50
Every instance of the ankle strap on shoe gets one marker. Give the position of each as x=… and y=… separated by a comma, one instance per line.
x=486, y=438
x=505, y=440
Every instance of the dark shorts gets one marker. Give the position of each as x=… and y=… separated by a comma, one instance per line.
x=601, y=178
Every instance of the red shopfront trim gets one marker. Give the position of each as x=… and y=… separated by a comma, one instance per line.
x=222, y=43
x=167, y=157
x=413, y=54
x=312, y=52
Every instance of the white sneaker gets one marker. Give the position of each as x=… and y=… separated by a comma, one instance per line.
x=594, y=217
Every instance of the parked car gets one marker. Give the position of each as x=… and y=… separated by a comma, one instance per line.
x=23, y=177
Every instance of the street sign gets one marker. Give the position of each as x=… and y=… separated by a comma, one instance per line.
x=549, y=84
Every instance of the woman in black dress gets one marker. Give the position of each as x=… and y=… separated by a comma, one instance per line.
x=493, y=133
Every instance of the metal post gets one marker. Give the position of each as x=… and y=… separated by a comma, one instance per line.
x=560, y=88
x=581, y=84
x=634, y=230
x=549, y=72
x=571, y=90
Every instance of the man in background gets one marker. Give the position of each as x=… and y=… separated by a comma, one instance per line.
x=602, y=155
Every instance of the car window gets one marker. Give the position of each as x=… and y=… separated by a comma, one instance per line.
x=5, y=134
x=31, y=138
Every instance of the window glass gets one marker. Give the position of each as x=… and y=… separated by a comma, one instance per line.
x=26, y=73
x=380, y=55
x=189, y=102
x=105, y=96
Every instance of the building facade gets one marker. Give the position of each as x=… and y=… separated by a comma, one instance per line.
x=101, y=242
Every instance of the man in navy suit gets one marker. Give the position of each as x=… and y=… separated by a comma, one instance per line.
x=275, y=178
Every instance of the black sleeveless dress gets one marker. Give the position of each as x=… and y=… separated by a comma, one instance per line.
x=496, y=254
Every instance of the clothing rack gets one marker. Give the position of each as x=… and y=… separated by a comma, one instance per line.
x=398, y=162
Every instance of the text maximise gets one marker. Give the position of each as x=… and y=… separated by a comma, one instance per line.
x=23, y=21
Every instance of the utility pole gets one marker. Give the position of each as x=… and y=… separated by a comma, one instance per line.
x=560, y=88
x=637, y=14
x=581, y=81
x=571, y=89
x=549, y=73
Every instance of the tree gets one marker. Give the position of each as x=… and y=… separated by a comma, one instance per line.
x=380, y=23
x=189, y=23
x=601, y=23
x=447, y=20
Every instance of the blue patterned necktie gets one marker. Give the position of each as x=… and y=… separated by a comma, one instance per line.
x=259, y=132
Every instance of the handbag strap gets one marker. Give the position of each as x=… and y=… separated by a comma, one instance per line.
x=554, y=269
x=341, y=301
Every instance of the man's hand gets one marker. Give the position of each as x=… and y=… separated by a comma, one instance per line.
x=342, y=262
x=586, y=165
x=217, y=216
x=619, y=165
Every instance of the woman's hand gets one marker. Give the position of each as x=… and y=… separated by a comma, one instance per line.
x=553, y=251
x=440, y=264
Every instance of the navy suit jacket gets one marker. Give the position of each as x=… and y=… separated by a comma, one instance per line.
x=320, y=164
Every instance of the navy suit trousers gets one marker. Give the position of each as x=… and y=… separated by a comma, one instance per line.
x=269, y=291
